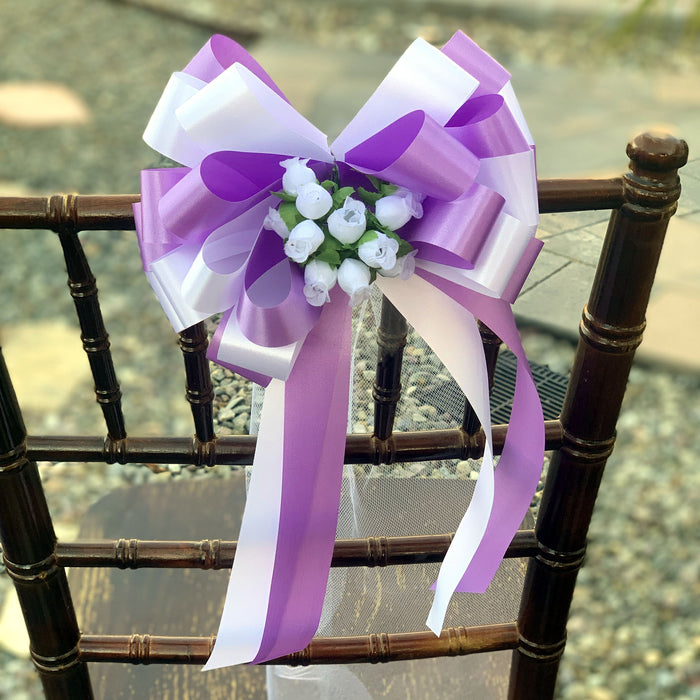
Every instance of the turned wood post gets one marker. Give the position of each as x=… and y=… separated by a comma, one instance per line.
x=63, y=218
x=610, y=331
x=386, y=391
x=28, y=543
x=199, y=391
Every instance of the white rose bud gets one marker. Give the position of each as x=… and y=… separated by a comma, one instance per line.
x=396, y=210
x=313, y=201
x=354, y=279
x=273, y=222
x=320, y=278
x=304, y=239
x=379, y=252
x=404, y=268
x=348, y=223
x=296, y=173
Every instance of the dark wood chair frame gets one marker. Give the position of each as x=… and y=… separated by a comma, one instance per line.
x=642, y=201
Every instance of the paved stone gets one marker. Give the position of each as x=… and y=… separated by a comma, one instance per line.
x=40, y=104
x=60, y=350
x=673, y=316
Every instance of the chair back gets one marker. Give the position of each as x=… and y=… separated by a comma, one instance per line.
x=581, y=438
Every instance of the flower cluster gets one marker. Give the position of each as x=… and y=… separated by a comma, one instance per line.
x=342, y=234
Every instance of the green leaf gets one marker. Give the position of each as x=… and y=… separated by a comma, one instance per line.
x=327, y=254
x=330, y=242
x=404, y=248
x=386, y=188
x=373, y=222
x=366, y=237
x=369, y=198
x=347, y=252
x=341, y=195
x=284, y=196
x=290, y=214
x=329, y=185
x=375, y=181
x=372, y=274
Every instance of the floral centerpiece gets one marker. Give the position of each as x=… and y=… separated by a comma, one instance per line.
x=342, y=234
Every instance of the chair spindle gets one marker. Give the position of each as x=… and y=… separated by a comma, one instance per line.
x=199, y=390
x=391, y=340
x=83, y=289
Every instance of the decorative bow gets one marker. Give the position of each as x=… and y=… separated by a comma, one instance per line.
x=444, y=124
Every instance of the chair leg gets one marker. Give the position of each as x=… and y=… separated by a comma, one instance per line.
x=28, y=544
x=611, y=329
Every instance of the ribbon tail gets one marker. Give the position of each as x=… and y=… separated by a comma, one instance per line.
x=441, y=311
x=451, y=331
x=520, y=465
x=243, y=620
x=279, y=577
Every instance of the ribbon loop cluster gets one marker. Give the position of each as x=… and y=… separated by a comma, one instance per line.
x=444, y=124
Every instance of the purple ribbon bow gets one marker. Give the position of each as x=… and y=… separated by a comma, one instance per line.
x=445, y=124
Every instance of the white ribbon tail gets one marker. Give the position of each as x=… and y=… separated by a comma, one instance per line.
x=452, y=333
x=245, y=610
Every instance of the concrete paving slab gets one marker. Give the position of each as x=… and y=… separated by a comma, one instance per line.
x=555, y=296
x=558, y=286
x=580, y=245
x=563, y=222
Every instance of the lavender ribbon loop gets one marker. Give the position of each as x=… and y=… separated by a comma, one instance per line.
x=444, y=124
x=273, y=311
x=418, y=154
x=454, y=233
x=154, y=239
x=218, y=54
x=487, y=127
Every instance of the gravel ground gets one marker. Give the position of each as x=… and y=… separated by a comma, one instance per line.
x=634, y=628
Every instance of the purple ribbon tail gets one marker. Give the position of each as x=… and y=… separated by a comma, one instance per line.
x=315, y=425
x=520, y=466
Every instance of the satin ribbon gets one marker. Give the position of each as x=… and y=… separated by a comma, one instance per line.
x=443, y=123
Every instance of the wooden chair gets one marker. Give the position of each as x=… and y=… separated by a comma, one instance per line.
x=582, y=438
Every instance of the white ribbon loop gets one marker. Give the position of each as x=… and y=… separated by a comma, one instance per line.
x=164, y=133
x=265, y=123
x=422, y=79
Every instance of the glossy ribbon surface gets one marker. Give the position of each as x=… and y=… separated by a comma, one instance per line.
x=444, y=124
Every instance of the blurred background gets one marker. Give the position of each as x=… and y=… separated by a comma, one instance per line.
x=78, y=82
